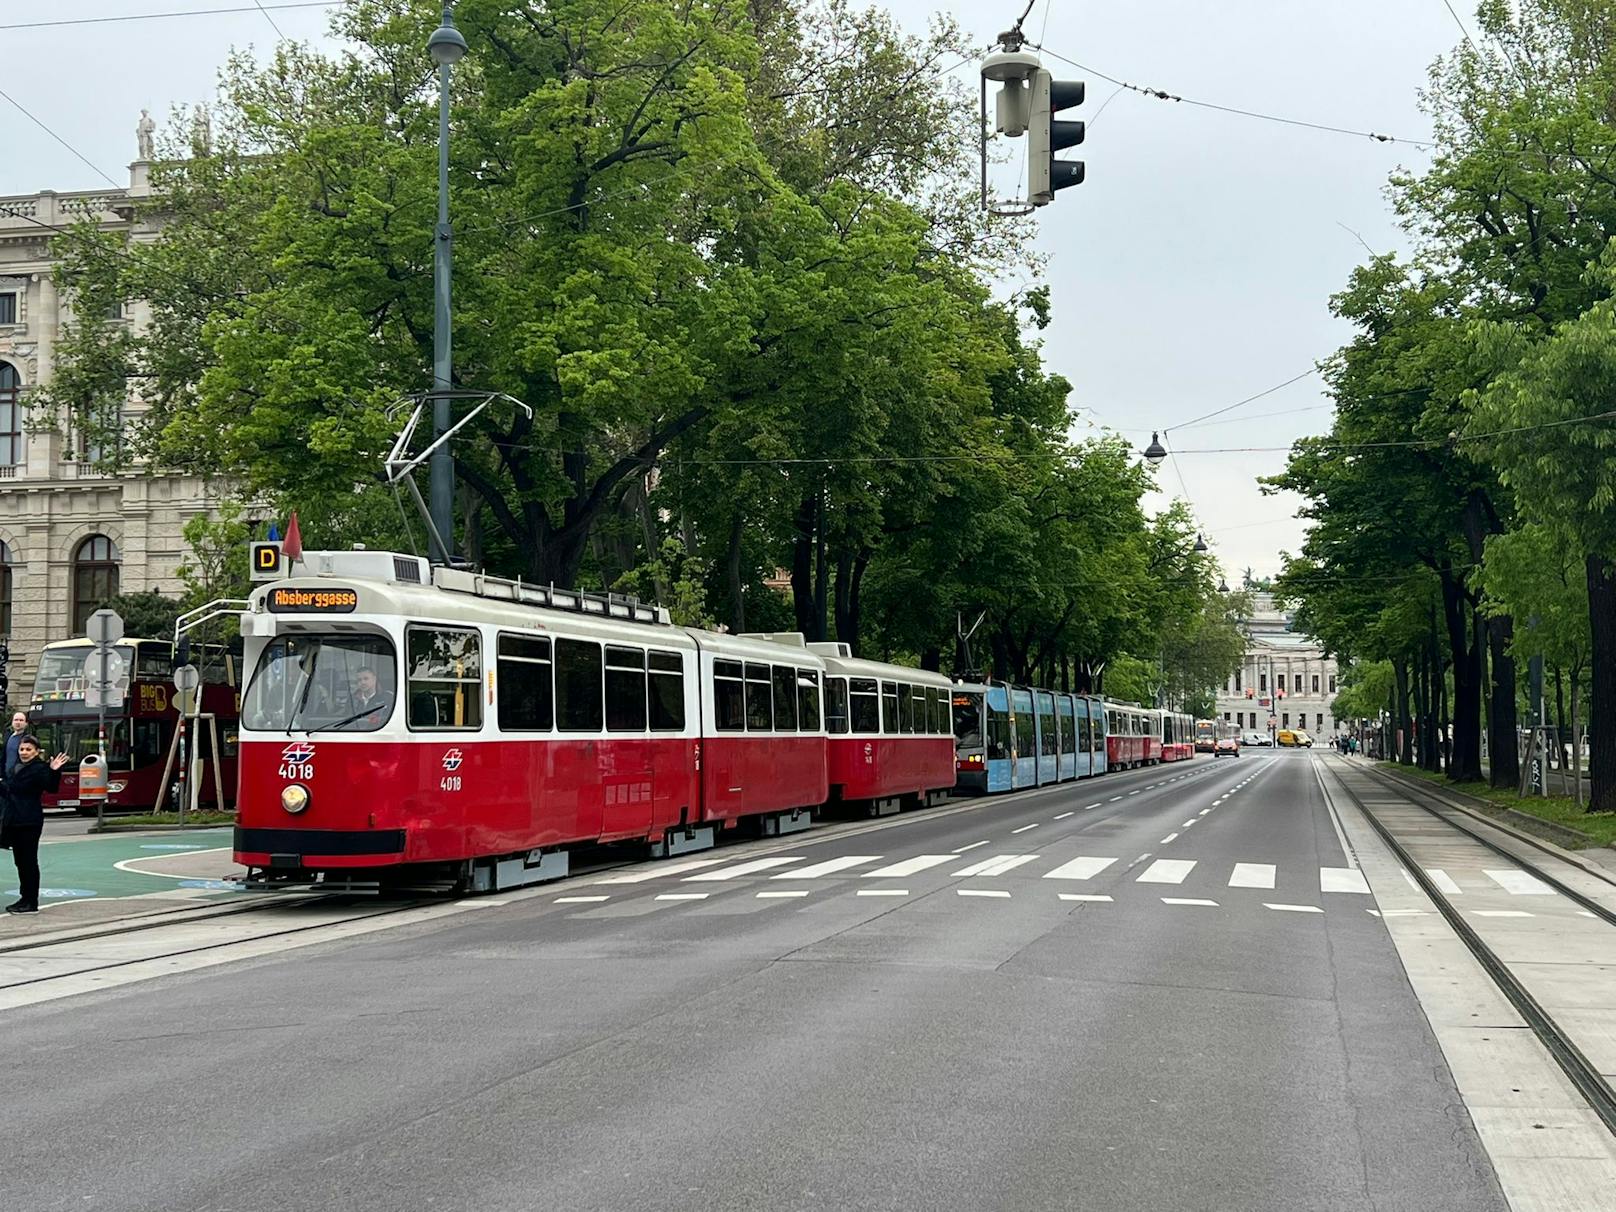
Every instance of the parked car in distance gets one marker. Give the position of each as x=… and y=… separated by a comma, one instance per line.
x=1258, y=739
x=1304, y=739
x=1286, y=738
x=1227, y=747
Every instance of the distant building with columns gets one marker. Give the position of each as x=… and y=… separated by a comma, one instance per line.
x=71, y=533
x=1285, y=680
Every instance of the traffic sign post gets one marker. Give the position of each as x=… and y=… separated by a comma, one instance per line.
x=103, y=683
x=187, y=678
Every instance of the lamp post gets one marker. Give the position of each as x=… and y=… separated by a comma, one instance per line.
x=446, y=46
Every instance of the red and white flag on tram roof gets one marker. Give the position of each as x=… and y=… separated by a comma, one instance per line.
x=292, y=544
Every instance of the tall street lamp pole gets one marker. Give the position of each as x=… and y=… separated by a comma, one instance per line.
x=446, y=46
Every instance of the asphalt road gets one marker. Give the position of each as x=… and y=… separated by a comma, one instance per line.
x=913, y=1047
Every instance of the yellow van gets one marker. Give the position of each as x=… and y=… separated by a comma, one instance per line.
x=1286, y=737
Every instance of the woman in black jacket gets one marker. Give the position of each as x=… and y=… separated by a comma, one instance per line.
x=29, y=779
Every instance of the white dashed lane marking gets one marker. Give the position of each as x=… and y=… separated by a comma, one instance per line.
x=1294, y=908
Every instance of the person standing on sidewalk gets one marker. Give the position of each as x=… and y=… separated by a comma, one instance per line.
x=19, y=725
x=24, y=817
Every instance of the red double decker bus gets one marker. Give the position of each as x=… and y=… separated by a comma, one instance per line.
x=140, y=734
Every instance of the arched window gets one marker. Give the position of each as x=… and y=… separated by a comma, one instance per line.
x=11, y=447
x=95, y=578
x=5, y=589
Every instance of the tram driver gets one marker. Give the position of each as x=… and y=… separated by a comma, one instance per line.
x=370, y=702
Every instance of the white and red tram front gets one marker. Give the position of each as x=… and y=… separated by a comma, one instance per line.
x=501, y=731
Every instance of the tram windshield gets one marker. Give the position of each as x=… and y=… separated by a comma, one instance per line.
x=967, y=721
x=322, y=682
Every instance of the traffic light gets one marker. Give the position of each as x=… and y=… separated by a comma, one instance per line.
x=1047, y=135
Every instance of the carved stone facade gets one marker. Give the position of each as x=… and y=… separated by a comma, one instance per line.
x=1279, y=660
x=53, y=502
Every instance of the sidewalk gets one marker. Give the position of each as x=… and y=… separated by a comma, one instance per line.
x=93, y=880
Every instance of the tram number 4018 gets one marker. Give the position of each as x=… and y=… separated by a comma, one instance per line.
x=297, y=771
x=449, y=782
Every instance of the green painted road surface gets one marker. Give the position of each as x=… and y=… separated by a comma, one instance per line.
x=80, y=868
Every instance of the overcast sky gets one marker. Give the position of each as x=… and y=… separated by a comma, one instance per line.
x=1191, y=270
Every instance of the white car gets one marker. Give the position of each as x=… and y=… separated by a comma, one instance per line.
x=1256, y=738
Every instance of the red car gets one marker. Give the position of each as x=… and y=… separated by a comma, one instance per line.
x=1227, y=747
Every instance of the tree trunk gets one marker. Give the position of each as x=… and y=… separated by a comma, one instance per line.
x=1503, y=724
x=1602, y=696
x=848, y=597
x=803, y=547
x=1559, y=700
x=732, y=573
x=1465, y=766
x=1400, y=718
x=1576, y=749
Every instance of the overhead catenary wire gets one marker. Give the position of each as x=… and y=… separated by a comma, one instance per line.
x=1160, y=94
x=81, y=156
x=271, y=20
x=172, y=13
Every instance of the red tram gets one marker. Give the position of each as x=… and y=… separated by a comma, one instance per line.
x=438, y=727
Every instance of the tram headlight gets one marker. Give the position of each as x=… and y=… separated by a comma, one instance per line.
x=114, y=788
x=295, y=798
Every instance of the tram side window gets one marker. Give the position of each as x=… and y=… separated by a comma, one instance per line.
x=889, y=708
x=865, y=701
x=1046, y=730
x=808, y=699
x=933, y=716
x=917, y=695
x=906, y=708
x=998, y=735
x=526, y=684
x=1068, y=734
x=667, y=692
x=625, y=689
x=729, y=697
x=578, y=686
x=445, y=678
x=759, y=709
x=785, y=698
x=836, y=717
x=1026, y=738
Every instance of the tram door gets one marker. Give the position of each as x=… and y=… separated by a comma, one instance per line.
x=628, y=768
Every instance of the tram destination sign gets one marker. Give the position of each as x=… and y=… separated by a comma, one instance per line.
x=288, y=600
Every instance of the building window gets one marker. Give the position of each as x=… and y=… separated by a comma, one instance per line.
x=99, y=438
x=8, y=307
x=1315, y=683
x=1285, y=720
x=1225, y=717
x=1298, y=683
x=1262, y=682
x=1319, y=727
x=11, y=447
x=95, y=578
x=1237, y=681
x=5, y=589
x=1332, y=683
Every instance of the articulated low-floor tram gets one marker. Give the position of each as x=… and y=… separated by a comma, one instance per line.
x=433, y=727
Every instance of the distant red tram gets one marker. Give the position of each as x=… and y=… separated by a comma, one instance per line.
x=436, y=727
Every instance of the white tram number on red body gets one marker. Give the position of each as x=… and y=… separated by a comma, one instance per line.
x=297, y=771
x=451, y=762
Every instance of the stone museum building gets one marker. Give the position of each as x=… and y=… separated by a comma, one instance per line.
x=1286, y=680
x=71, y=534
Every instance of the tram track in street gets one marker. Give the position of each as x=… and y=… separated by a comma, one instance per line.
x=1593, y=1084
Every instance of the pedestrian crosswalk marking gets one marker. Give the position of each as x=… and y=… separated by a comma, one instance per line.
x=762, y=896
x=1167, y=871
x=1442, y=880
x=982, y=892
x=1080, y=896
x=1501, y=913
x=997, y=865
x=683, y=896
x=1294, y=908
x=828, y=867
x=580, y=900
x=661, y=869
x=909, y=866
x=1252, y=875
x=750, y=868
x=1518, y=883
x=1184, y=900
x=1079, y=869
x=1342, y=879
x=883, y=892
